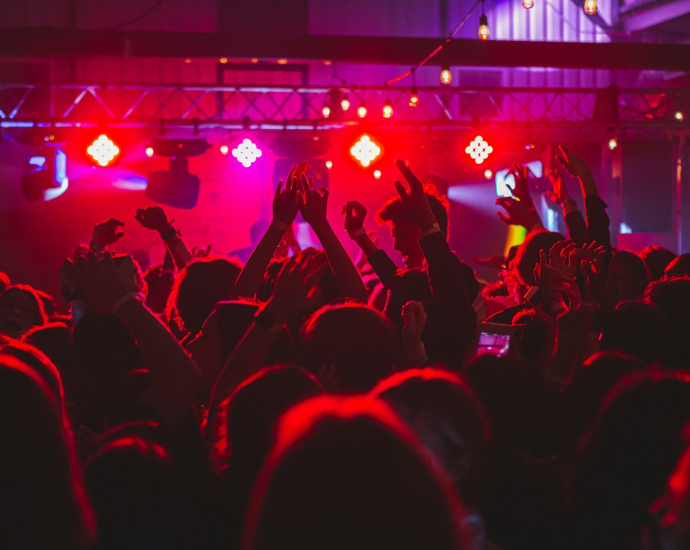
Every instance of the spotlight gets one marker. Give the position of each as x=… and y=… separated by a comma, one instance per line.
x=103, y=150
x=377, y=174
x=479, y=150
x=246, y=153
x=224, y=149
x=365, y=150
x=414, y=97
x=528, y=4
x=483, y=27
x=361, y=110
x=149, y=151
x=613, y=143
x=326, y=111
x=679, y=116
x=488, y=174
x=179, y=147
x=329, y=164
x=590, y=7
x=345, y=103
x=387, y=109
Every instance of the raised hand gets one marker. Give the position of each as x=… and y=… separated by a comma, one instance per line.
x=354, y=213
x=313, y=204
x=101, y=280
x=519, y=213
x=559, y=259
x=106, y=233
x=572, y=163
x=552, y=284
x=297, y=285
x=559, y=195
x=415, y=201
x=495, y=261
x=285, y=201
x=520, y=190
x=154, y=218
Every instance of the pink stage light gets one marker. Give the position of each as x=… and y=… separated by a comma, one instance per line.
x=246, y=153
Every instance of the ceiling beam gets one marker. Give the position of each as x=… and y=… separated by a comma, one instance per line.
x=652, y=14
x=50, y=43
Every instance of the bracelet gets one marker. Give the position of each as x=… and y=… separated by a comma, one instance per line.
x=436, y=228
x=122, y=300
x=170, y=233
x=280, y=225
x=357, y=232
x=267, y=321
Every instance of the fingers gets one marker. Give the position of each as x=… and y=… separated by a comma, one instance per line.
x=278, y=190
x=506, y=202
x=401, y=190
x=504, y=218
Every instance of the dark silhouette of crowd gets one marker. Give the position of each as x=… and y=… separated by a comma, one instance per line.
x=304, y=399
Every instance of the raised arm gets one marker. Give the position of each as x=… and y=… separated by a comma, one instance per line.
x=154, y=218
x=313, y=205
x=105, y=234
x=285, y=208
x=175, y=379
x=577, y=229
x=520, y=207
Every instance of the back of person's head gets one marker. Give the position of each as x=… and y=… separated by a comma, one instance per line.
x=357, y=340
x=636, y=329
x=38, y=361
x=679, y=267
x=395, y=212
x=4, y=281
x=137, y=494
x=347, y=473
x=42, y=502
x=200, y=286
x=527, y=255
x=446, y=416
x=630, y=452
x=656, y=258
x=55, y=340
x=447, y=334
x=627, y=276
x=672, y=298
x=20, y=309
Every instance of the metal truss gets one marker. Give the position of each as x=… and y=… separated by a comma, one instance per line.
x=301, y=107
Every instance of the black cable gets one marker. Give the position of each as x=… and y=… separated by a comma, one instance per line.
x=136, y=19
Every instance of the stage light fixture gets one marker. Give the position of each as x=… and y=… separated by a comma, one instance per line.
x=224, y=149
x=45, y=175
x=387, y=109
x=345, y=103
x=528, y=4
x=103, y=150
x=326, y=111
x=414, y=97
x=165, y=147
x=679, y=116
x=149, y=151
x=365, y=150
x=483, y=25
x=488, y=174
x=479, y=150
x=362, y=110
x=590, y=7
x=613, y=143
x=329, y=164
x=246, y=153
x=377, y=174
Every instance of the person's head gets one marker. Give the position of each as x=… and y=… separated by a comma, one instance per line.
x=4, y=281
x=627, y=277
x=404, y=228
x=42, y=499
x=656, y=258
x=200, y=286
x=357, y=340
x=347, y=473
x=636, y=329
x=679, y=267
x=20, y=309
x=527, y=255
x=672, y=298
x=629, y=454
x=447, y=333
x=136, y=490
x=55, y=340
x=37, y=360
x=446, y=416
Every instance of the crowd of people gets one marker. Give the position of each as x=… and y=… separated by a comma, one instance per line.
x=306, y=399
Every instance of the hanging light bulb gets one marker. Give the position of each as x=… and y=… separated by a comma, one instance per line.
x=387, y=109
x=414, y=97
x=326, y=111
x=528, y=4
x=590, y=7
x=361, y=110
x=483, y=27
x=345, y=103
x=446, y=77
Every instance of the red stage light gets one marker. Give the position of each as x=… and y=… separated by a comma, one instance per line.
x=377, y=174
x=479, y=150
x=149, y=151
x=365, y=150
x=103, y=150
x=387, y=109
x=329, y=164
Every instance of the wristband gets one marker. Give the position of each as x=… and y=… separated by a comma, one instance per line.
x=436, y=228
x=267, y=321
x=170, y=233
x=280, y=225
x=122, y=300
x=357, y=232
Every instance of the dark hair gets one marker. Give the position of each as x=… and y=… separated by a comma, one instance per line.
x=55, y=340
x=200, y=286
x=447, y=333
x=672, y=298
x=357, y=340
x=527, y=256
x=679, y=267
x=639, y=274
x=636, y=329
x=394, y=210
x=656, y=258
x=4, y=281
x=40, y=317
x=347, y=473
x=37, y=360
